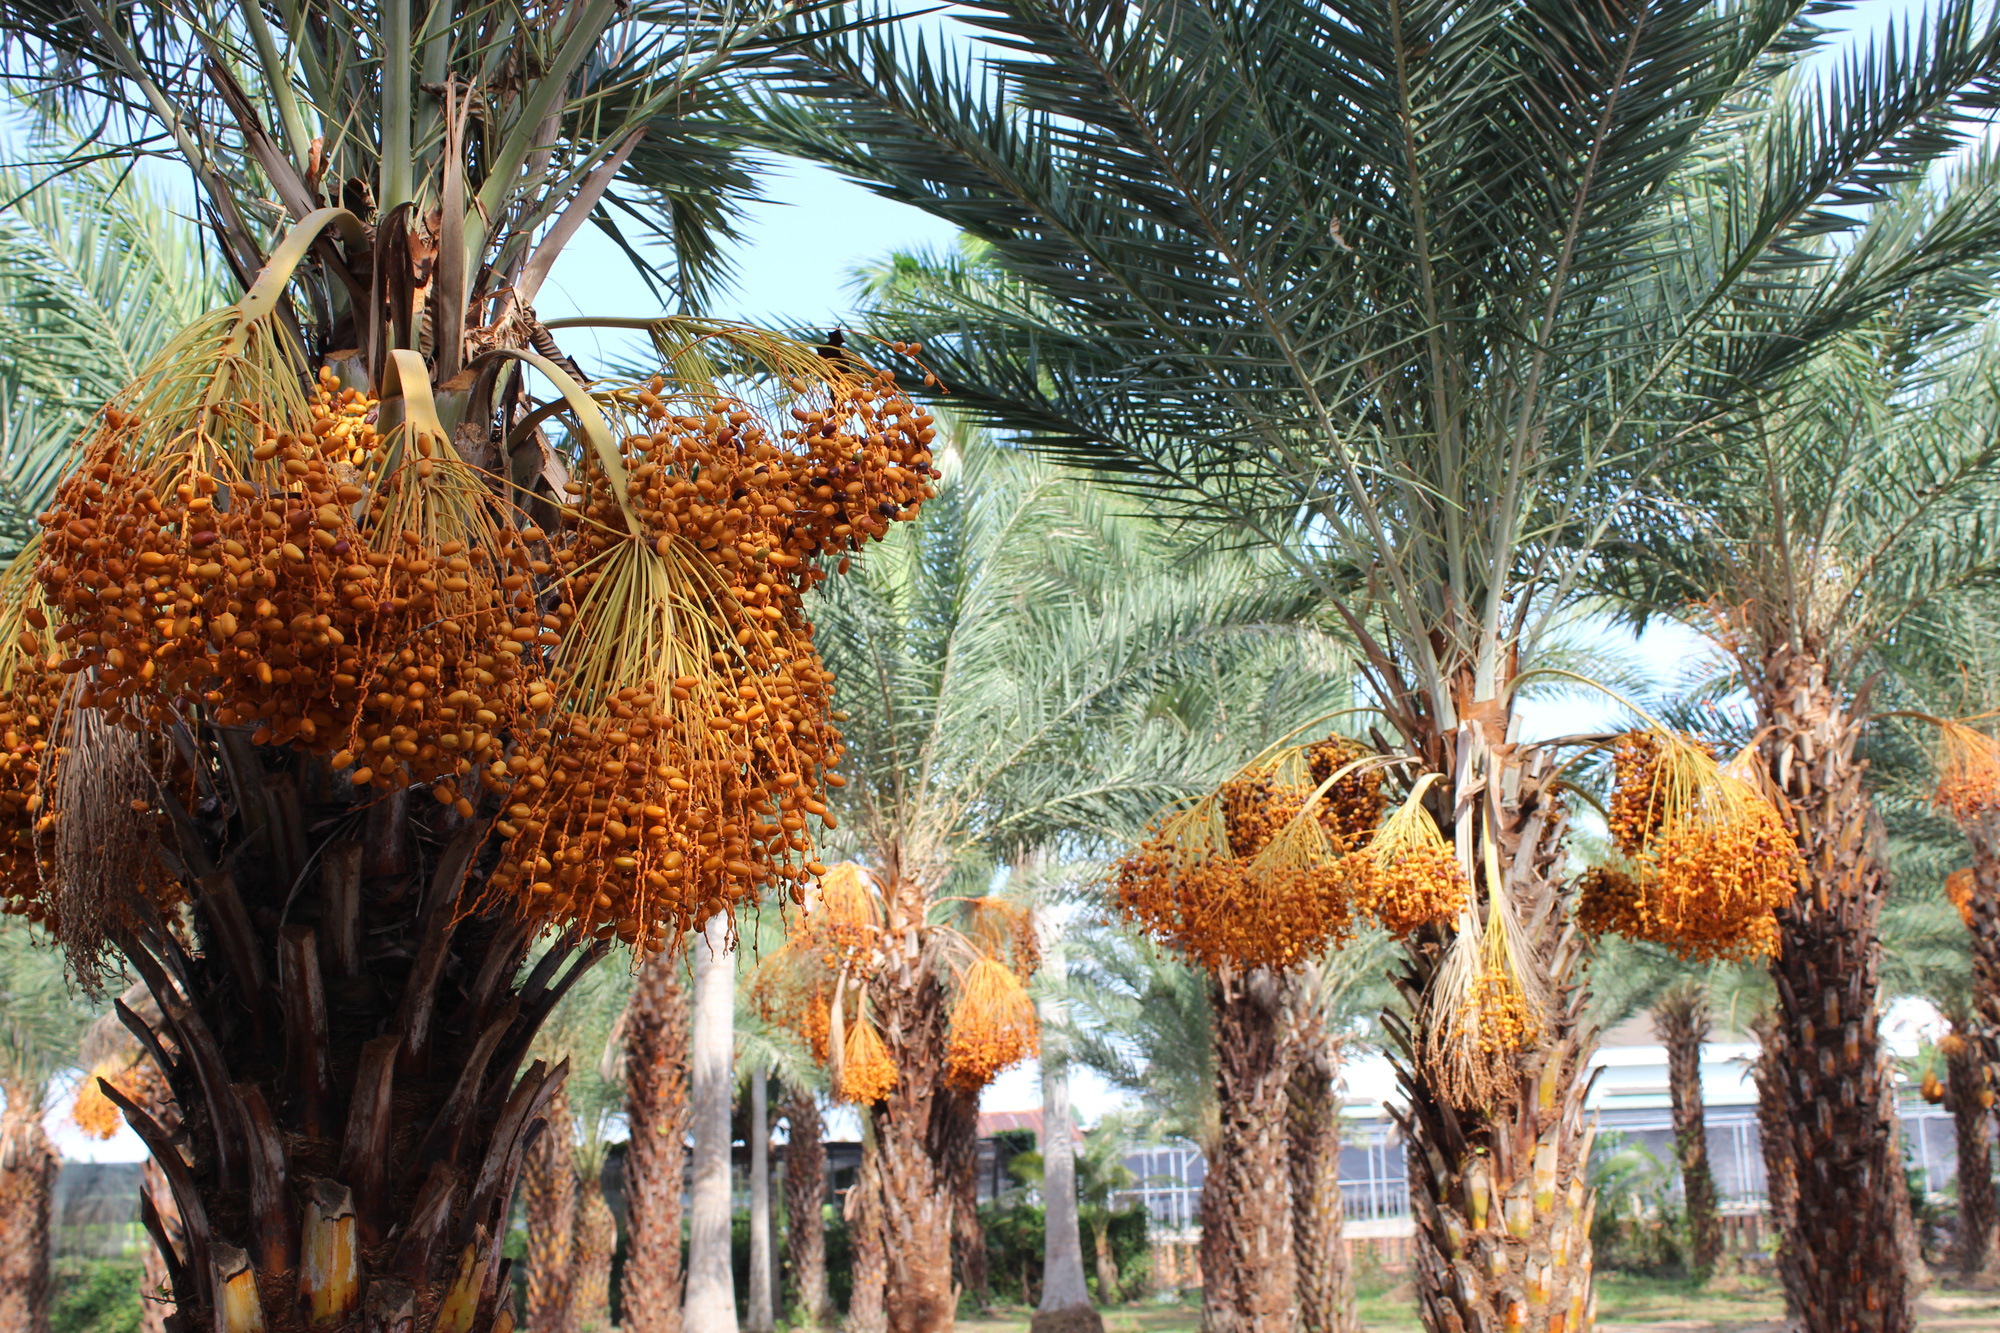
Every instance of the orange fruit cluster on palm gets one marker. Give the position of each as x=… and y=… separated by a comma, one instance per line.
x=693, y=713
x=1257, y=873
x=993, y=1025
x=1968, y=786
x=866, y=1074
x=1711, y=858
x=836, y=938
x=637, y=688
x=30, y=694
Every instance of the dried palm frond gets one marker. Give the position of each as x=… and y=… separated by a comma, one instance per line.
x=1004, y=930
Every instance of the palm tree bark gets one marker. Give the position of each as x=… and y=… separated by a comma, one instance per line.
x=1065, y=1302
x=711, y=1281
x=1312, y=1135
x=867, y=1310
x=1498, y=1189
x=805, y=1208
x=1968, y=1094
x=1982, y=915
x=911, y=1125
x=28, y=1166
x=1681, y=1018
x=656, y=1108
x=761, y=1317
x=959, y=1162
x=548, y=1196
x=590, y=1273
x=1781, y=1188
x=1842, y=1263
x=1247, y=1269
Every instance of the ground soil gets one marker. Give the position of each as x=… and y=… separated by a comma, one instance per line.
x=1625, y=1304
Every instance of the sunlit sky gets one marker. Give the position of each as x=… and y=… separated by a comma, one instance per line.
x=801, y=244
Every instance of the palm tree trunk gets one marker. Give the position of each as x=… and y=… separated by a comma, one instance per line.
x=1065, y=1303
x=1312, y=1134
x=548, y=1196
x=656, y=1108
x=1781, y=1188
x=959, y=1162
x=348, y=1044
x=711, y=1281
x=910, y=1125
x=1498, y=1188
x=154, y=1280
x=28, y=1166
x=1247, y=1271
x=1681, y=1017
x=1842, y=1262
x=805, y=1208
x=590, y=1275
x=867, y=1309
x=761, y=1317
x=1982, y=915
x=1107, y=1266
x=1968, y=1093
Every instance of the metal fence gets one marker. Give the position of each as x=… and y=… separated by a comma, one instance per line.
x=1374, y=1183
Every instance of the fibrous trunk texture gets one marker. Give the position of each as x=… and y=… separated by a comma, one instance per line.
x=1842, y=1263
x=548, y=1197
x=867, y=1310
x=1065, y=1303
x=656, y=1109
x=1982, y=915
x=1312, y=1140
x=1246, y=1220
x=711, y=1279
x=960, y=1166
x=590, y=1273
x=1781, y=1188
x=346, y=1034
x=912, y=1126
x=1497, y=1186
x=28, y=1166
x=1970, y=1097
x=805, y=1204
x=1681, y=1018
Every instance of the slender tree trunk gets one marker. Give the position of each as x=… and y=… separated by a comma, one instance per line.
x=1107, y=1265
x=656, y=1107
x=805, y=1208
x=959, y=1161
x=761, y=1317
x=1966, y=1090
x=28, y=1166
x=711, y=1281
x=1909, y=1241
x=911, y=1125
x=1312, y=1133
x=1065, y=1304
x=1681, y=1017
x=1842, y=1263
x=1498, y=1188
x=867, y=1310
x=548, y=1197
x=590, y=1273
x=1248, y=1282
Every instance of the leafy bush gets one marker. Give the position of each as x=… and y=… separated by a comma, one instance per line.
x=97, y=1296
x=1639, y=1222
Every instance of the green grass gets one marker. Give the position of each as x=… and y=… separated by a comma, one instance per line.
x=1628, y=1303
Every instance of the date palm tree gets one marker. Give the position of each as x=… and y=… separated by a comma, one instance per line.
x=1418, y=294
x=330, y=599
x=1031, y=657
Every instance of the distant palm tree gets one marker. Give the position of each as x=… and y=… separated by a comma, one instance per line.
x=1027, y=667
x=41, y=1023
x=1419, y=294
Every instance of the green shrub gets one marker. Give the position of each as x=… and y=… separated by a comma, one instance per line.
x=97, y=1295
